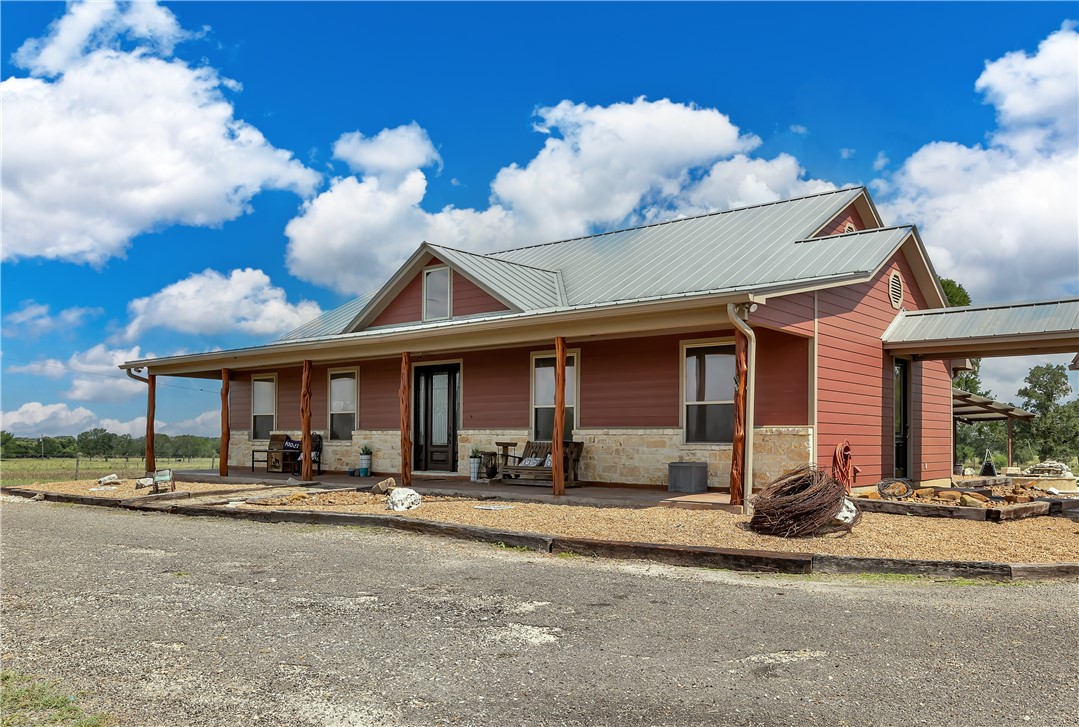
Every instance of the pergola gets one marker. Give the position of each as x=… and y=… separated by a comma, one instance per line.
x=972, y=408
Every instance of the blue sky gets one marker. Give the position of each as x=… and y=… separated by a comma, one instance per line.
x=190, y=176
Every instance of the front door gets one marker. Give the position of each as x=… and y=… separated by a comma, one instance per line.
x=901, y=416
x=435, y=418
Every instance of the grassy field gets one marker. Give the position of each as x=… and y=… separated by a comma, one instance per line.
x=29, y=700
x=29, y=471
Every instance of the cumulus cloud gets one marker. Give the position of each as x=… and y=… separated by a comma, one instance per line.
x=101, y=144
x=1001, y=217
x=799, y=129
x=32, y=319
x=244, y=301
x=206, y=424
x=95, y=376
x=35, y=418
x=880, y=161
x=846, y=153
x=392, y=153
x=600, y=167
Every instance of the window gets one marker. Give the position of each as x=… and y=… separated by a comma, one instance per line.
x=709, y=390
x=342, y=404
x=436, y=294
x=543, y=397
x=263, y=406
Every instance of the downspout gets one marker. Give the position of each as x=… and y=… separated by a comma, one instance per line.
x=751, y=368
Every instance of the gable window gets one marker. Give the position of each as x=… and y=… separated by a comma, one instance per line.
x=263, y=406
x=709, y=379
x=543, y=397
x=436, y=293
x=342, y=403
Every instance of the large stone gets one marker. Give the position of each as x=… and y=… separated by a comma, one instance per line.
x=949, y=495
x=977, y=496
x=924, y=492
x=967, y=501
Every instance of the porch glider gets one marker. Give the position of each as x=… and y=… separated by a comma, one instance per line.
x=1018, y=329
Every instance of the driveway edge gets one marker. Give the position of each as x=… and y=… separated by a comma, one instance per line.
x=678, y=555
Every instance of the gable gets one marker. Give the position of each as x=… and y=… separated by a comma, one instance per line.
x=467, y=299
x=838, y=224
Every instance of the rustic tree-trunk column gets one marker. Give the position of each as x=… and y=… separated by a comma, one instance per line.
x=307, y=469
x=151, y=405
x=404, y=393
x=226, y=432
x=738, y=451
x=558, y=474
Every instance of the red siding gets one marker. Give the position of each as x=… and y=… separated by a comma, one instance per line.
x=379, y=406
x=496, y=388
x=469, y=298
x=407, y=307
x=854, y=382
x=239, y=401
x=288, y=398
x=631, y=383
x=840, y=222
x=792, y=313
x=782, y=396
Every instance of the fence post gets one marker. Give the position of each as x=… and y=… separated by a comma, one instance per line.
x=76, y=465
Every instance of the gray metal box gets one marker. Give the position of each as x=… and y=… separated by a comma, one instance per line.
x=687, y=477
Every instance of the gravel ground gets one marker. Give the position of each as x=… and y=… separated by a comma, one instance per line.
x=1035, y=540
x=162, y=620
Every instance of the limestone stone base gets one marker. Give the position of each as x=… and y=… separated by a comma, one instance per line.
x=485, y=440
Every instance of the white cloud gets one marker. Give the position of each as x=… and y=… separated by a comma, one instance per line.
x=1004, y=376
x=35, y=418
x=880, y=161
x=50, y=368
x=392, y=153
x=1002, y=218
x=846, y=153
x=33, y=320
x=208, y=302
x=799, y=129
x=134, y=427
x=101, y=144
x=207, y=424
x=95, y=373
x=601, y=166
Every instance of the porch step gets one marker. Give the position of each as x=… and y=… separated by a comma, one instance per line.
x=702, y=501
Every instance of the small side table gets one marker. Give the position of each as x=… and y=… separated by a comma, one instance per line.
x=504, y=453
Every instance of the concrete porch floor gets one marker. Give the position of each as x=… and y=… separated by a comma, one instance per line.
x=586, y=494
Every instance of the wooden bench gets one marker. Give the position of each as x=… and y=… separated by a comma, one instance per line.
x=316, y=454
x=523, y=474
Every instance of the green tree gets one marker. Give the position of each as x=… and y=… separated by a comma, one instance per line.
x=1055, y=433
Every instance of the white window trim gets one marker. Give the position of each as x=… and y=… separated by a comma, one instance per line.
x=263, y=377
x=355, y=371
x=682, y=349
x=449, y=292
x=576, y=354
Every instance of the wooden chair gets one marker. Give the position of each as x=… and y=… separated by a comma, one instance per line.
x=524, y=474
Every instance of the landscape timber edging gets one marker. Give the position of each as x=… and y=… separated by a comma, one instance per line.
x=679, y=555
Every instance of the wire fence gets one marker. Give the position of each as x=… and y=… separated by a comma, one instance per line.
x=63, y=469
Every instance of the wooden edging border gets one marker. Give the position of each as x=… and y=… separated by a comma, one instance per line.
x=678, y=555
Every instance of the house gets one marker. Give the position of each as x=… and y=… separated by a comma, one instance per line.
x=753, y=338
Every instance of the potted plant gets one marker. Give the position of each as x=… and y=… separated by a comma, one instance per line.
x=474, y=464
x=365, y=460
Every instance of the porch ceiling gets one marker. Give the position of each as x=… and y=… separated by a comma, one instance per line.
x=971, y=408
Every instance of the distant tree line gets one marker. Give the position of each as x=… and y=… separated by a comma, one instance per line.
x=101, y=443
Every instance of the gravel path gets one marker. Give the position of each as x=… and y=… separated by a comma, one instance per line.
x=1035, y=540
x=123, y=489
x=163, y=620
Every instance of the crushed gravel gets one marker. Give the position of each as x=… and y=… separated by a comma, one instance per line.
x=124, y=489
x=878, y=535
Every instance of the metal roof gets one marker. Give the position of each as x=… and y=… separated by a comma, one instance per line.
x=730, y=250
x=331, y=322
x=522, y=286
x=970, y=408
x=989, y=321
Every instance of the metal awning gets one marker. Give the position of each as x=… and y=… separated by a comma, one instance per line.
x=1011, y=329
x=970, y=408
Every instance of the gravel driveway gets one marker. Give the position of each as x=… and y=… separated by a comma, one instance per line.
x=164, y=620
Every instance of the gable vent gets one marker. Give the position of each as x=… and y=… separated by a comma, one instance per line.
x=849, y=228
x=895, y=289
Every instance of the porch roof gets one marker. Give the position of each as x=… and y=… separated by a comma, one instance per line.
x=1011, y=329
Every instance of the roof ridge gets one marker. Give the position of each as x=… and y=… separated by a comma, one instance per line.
x=989, y=306
x=678, y=219
x=488, y=256
x=855, y=233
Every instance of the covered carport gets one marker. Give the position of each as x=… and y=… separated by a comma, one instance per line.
x=1011, y=329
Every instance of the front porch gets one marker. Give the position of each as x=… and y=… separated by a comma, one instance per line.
x=587, y=494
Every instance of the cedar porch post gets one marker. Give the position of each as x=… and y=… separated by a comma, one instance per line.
x=404, y=394
x=1011, y=431
x=307, y=470
x=151, y=404
x=558, y=475
x=738, y=451
x=223, y=465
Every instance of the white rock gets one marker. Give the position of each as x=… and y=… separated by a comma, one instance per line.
x=107, y=478
x=403, y=498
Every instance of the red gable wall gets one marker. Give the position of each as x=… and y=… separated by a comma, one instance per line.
x=407, y=307
x=840, y=222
